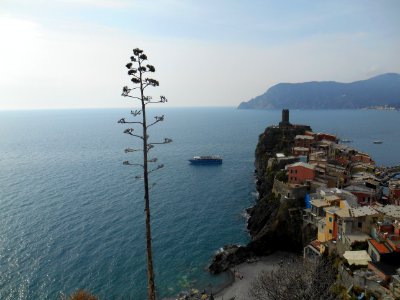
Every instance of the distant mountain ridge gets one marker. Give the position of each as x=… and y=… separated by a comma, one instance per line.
x=379, y=90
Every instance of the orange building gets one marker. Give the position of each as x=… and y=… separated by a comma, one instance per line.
x=331, y=225
x=299, y=173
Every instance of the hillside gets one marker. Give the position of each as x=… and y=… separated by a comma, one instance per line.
x=380, y=90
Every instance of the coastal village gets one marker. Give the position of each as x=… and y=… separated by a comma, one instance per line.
x=318, y=194
x=352, y=204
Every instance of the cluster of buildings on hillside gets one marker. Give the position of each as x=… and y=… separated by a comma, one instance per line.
x=354, y=205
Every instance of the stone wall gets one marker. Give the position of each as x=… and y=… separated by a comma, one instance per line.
x=288, y=191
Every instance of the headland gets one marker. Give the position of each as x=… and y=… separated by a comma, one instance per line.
x=316, y=197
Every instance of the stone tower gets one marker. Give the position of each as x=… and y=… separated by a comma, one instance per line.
x=285, y=118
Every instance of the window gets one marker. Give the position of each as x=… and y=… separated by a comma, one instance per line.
x=330, y=219
x=330, y=231
x=359, y=224
x=374, y=256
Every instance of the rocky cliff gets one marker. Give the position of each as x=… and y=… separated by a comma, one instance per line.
x=274, y=224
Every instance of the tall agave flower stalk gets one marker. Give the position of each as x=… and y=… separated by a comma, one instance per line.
x=138, y=70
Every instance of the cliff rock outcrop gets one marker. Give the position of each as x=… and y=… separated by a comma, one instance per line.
x=275, y=223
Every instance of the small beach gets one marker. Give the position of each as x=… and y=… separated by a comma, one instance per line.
x=247, y=272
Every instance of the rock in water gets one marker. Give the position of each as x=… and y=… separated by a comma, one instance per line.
x=230, y=256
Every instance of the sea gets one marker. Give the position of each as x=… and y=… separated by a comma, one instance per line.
x=72, y=215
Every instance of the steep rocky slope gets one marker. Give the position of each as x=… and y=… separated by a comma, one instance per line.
x=271, y=225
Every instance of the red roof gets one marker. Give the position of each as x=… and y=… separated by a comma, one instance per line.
x=382, y=249
x=316, y=244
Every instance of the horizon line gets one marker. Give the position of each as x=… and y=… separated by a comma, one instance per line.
x=88, y=108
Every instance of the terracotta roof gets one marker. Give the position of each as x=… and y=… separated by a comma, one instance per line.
x=382, y=249
x=316, y=244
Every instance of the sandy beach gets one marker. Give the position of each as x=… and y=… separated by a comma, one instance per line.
x=238, y=290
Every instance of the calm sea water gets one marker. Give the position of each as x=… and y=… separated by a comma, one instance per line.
x=71, y=215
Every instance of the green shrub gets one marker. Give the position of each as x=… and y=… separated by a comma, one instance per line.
x=282, y=176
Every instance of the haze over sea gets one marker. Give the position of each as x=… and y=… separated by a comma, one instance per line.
x=71, y=215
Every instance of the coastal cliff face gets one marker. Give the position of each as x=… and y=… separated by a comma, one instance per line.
x=274, y=224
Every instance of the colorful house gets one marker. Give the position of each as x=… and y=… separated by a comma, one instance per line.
x=299, y=173
x=327, y=227
x=365, y=195
x=389, y=233
x=377, y=249
x=355, y=225
x=384, y=249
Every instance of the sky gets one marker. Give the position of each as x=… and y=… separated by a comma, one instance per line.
x=72, y=53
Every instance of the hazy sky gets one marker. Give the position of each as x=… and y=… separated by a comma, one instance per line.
x=71, y=53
